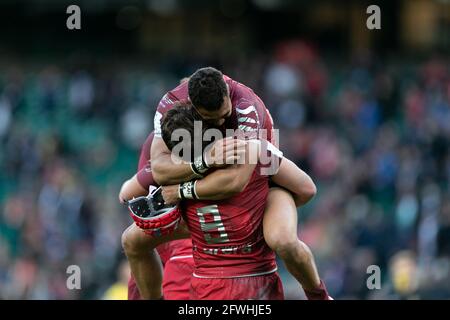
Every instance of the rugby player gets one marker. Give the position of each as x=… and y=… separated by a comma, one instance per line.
x=238, y=107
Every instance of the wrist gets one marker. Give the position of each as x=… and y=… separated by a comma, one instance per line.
x=199, y=166
x=187, y=190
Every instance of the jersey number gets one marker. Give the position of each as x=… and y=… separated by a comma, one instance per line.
x=214, y=230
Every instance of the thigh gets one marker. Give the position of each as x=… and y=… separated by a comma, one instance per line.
x=280, y=215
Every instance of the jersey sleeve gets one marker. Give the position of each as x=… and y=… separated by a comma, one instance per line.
x=272, y=133
x=164, y=105
x=145, y=151
x=256, y=124
x=249, y=118
x=254, y=120
x=270, y=158
x=145, y=177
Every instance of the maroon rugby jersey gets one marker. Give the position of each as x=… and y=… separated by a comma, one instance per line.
x=227, y=235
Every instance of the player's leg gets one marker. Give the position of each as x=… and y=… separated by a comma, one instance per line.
x=144, y=261
x=133, y=291
x=280, y=233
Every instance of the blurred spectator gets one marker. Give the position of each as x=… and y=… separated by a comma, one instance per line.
x=119, y=290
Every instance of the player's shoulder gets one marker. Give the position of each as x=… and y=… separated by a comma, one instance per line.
x=250, y=109
x=179, y=93
x=238, y=89
x=243, y=96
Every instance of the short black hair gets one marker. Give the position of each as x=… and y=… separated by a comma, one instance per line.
x=183, y=116
x=207, y=89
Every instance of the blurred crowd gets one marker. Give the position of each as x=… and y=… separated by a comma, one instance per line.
x=373, y=134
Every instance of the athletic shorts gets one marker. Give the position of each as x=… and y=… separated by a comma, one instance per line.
x=176, y=279
x=266, y=287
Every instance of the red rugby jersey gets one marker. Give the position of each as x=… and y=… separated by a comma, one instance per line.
x=227, y=235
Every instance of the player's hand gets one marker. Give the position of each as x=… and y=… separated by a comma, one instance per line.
x=122, y=200
x=225, y=152
x=170, y=194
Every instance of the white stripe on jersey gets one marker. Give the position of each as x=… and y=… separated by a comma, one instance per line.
x=181, y=257
x=246, y=119
x=157, y=124
x=246, y=110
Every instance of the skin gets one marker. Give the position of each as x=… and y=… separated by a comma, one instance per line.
x=280, y=233
x=131, y=189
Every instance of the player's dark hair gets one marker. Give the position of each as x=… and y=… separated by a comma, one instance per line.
x=207, y=89
x=182, y=116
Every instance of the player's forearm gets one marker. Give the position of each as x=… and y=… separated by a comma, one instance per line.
x=300, y=184
x=305, y=191
x=224, y=183
x=166, y=172
x=301, y=199
x=131, y=189
x=219, y=185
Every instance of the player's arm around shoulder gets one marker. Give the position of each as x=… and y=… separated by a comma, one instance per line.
x=294, y=179
x=222, y=183
x=225, y=183
x=165, y=171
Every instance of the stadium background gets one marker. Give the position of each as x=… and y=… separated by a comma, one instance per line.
x=365, y=113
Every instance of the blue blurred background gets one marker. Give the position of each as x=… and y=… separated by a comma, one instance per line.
x=365, y=113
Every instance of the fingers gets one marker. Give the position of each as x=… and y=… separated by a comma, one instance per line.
x=227, y=151
x=170, y=194
x=234, y=144
x=166, y=196
x=233, y=151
